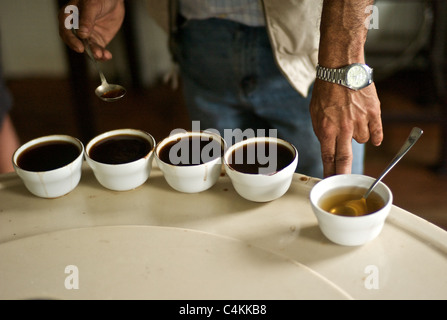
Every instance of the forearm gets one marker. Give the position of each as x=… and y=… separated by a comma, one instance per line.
x=343, y=32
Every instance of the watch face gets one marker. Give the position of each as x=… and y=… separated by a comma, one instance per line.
x=357, y=76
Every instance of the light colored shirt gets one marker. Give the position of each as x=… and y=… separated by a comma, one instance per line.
x=249, y=12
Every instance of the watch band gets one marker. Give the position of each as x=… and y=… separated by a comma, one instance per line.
x=347, y=76
x=331, y=75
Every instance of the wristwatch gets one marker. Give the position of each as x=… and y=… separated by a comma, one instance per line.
x=354, y=76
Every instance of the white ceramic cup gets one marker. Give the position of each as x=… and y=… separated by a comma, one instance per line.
x=55, y=182
x=348, y=230
x=261, y=187
x=192, y=178
x=123, y=176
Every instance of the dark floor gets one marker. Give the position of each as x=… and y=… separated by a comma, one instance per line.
x=45, y=106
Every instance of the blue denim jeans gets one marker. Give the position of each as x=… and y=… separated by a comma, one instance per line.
x=231, y=81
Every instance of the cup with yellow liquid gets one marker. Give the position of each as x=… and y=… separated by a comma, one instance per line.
x=353, y=226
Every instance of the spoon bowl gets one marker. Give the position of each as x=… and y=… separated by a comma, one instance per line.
x=351, y=208
x=110, y=92
x=358, y=207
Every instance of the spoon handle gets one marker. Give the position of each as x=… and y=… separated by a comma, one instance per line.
x=90, y=54
x=415, y=134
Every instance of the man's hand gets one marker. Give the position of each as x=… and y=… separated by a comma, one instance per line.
x=99, y=21
x=339, y=115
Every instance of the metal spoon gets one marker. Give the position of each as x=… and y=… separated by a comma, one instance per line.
x=358, y=206
x=107, y=92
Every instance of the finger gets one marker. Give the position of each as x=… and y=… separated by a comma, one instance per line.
x=375, y=123
x=376, y=131
x=66, y=34
x=343, y=156
x=100, y=53
x=328, y=146
x=361, y=132
x=72, y=41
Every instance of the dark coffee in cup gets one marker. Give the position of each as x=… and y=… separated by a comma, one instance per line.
x=190, y=150
x=48, y=155
x=119, y=149
x=264, y=157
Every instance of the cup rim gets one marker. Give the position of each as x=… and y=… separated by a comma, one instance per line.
x=116, y=132
x=188, y=133
x=53, y=137
x=388, y=202
x=238, y=144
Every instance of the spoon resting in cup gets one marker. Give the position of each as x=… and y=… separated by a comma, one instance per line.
x=359, y=206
